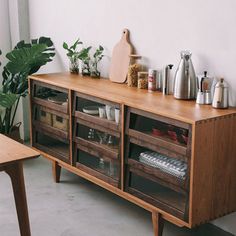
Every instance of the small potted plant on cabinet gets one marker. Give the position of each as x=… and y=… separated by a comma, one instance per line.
x=73, y=56
x=84, y=56
x=97, y=57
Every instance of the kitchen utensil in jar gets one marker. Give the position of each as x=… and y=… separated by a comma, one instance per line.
x=166, y=79
x=121, y=59
x=221, y=95
x=185, y=83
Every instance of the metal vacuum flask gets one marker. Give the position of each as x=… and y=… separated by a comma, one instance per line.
x=185, y=83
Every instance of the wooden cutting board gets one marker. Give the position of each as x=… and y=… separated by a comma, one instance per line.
x=120, y=59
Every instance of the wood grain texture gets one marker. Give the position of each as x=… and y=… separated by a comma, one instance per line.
x=97, y=120
x=15, y=171
x=115, y=190
x=70, y=104
x=12, y=154
x=122, y=147
x=12, y=151
x=210, y=149
x=97, y=149
x=157, y=175
x=157, y=103
x=56, y=171
x=213, y=177
x=159, y=141
x=158, y=224
x=120, y=59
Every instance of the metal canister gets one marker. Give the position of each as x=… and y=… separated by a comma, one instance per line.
x=152, y=80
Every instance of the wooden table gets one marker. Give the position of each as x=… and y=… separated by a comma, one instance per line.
x=12, y=154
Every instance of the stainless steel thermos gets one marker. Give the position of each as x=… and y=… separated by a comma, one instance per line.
x=185, y=83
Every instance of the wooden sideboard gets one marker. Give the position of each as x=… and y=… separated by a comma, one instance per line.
x=202, y=138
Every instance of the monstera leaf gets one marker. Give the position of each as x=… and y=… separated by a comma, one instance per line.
x=27, y=58
x=7, y=100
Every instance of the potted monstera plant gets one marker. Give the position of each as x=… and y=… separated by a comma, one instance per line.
x=24, y=60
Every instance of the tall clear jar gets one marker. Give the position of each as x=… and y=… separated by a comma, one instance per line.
x=135, y=66
x=74, y=65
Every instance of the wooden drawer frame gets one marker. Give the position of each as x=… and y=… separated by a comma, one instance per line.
x=203, y=206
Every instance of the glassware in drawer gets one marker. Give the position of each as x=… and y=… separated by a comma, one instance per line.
x=97, y=142
x=99, y=111
x=166, y=170
x=53, y=97
x=160, y=129
x=171, y=166
x=103, y=168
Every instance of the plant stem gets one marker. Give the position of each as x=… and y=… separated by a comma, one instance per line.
x=7, y=120
x=1, y=124
x=14, y=114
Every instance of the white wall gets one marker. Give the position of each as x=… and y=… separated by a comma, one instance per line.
x=5, y=39
x=159, y=30
x=19, y=30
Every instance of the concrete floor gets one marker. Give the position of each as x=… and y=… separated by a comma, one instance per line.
x=76, y=207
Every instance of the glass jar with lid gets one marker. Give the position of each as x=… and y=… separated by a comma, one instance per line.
x=134, y=67
x=142, y=80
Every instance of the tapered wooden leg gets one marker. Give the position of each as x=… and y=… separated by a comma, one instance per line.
x=56, y=171
x=158, y=224
x=15, y=171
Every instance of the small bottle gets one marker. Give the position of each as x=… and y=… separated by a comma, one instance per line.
x=101, y=164
x=152, y=80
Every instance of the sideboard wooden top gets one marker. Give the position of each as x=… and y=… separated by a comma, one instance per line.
x=155, y=102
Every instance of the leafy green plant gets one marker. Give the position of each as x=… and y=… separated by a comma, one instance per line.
x=24, y=60
x=73, y=55
x=97, y=57
x=85, y=58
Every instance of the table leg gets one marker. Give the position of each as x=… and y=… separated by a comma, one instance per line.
x=158, y=223
x=56, y=171
x=15, y=171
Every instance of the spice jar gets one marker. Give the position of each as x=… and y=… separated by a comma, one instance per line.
x=134, y=68
x=142, y=80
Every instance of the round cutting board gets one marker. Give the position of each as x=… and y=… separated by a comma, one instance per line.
x=121, y=59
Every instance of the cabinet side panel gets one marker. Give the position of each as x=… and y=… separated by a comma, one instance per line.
x=232, y=198
x=202, y=173
x=224, y=175
x=214, y=175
